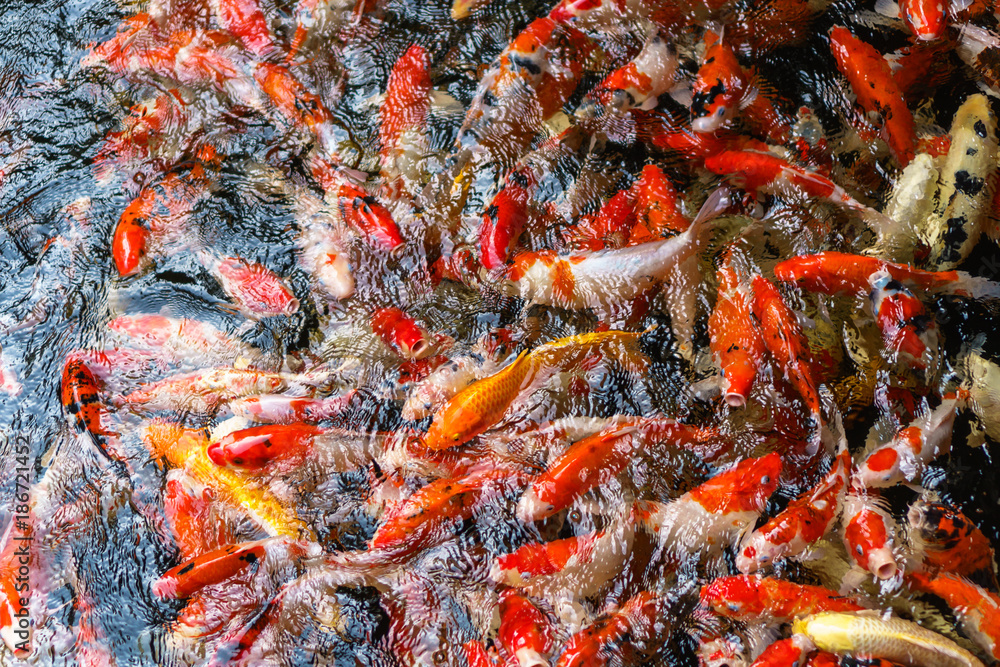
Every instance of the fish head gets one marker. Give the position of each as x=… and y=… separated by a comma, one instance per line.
x=881, y=469
x=128, y=247
x=717, y=89
x=733, y=597
x=743, y=488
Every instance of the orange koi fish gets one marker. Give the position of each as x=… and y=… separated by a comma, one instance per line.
x=638, y=622
x=18, y=564
x=186, y=448
x=869, y=534
x=656, y=207
x=751, y=596
x=80, y=392
x=525, y=632
x=803, y=523
x=245, y=21
x=977, y=609
x=784, y=339
x=722, y=86
x=137, y=47
x=905, y=457
x=281, y=409
x=789, y=652
x=610, y=227
x=636, y=85
x=602, y=278
x=201, y=392
x=871, y=80
x=296, y=105
x=595, y=460
x=734, y=338
x=510, y=105
x=706, y=519
x=402, y=333
x=257, y=291
x=763, y=172
x=354, y=206
x=213, y=567
x=188, y=507
x=431, y=513
x=947, y=541
x=926, y=19
x=838, y=273
x=403, y=115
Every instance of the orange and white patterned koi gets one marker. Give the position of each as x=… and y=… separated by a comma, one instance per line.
x=751, y=596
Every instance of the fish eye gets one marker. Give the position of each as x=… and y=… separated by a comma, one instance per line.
x=861, y=552
x=454, y=438
x=733, y=606
x=766, y=479
x=720, y=112
x=764, y=559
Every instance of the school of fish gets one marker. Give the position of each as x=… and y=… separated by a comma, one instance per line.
x=634, y=341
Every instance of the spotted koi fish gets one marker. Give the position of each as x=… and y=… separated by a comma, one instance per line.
x=750, y=596
x=203, y=391
x=734, y=337
x=257, y=291
x=638, y=621
x=869, y=534
x=977, y=609
x=636, y=85
x=947, y=541
x=909, y=332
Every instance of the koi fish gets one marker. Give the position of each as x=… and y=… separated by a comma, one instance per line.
x=81, y=398
x=202, y=391
x=869, y=534
x=504, y=219
x=706, y=519
x=947, y=541
x=734, y=338
x=323, y=254
x=525, y=632
x=926, y=19
x=800, y=525
x=189, y=507
x=909, y=332
x=888, y=638
x=656, y=207
x=595, y=460
x=475, y=652
x=837, y=273
x=404, y=114
x=783, y=338
x=578, y=565
x=213, y=567
x=185, y=337
x=722, y=86
x=750, y=596
x=257, y=291
x=871, y=80
x=602, y=278
x=639, y=621
x=430, y=514
x=354, y=206
x=296, y=105
x=977, y=609
x=288, y=445
x=281, y=409
x=789, y=652
x=965, y=191
x=401, y=332
x=445, y=382
x=636, y=85
x=905, y=457
x=912, y=200
x=245, y=21
x=153, y=129
x=186, y=448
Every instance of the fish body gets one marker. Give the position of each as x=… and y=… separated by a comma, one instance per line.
x=871, y=80
x=926, y=19
x=282, y=409
x=789, y=652
x=977, y=609
x=189, y=509
x=353, y=206
x=505, y=218
x=257, y=291
x=947, y=541
x=656, y=207
x=213, y=567
x=245, y=21
x=892, y=639
x=403, y=115
x=869, y=535
x=751, y=596
x=203, y=391
x=402, y=333
x=909, y=332
x=803, y=523
x=525, y=632
x=965, y=191
x=638, y=84
x=638, y=621
x=734, y=337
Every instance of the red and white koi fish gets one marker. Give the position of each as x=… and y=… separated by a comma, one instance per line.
x=244, y=20
x=315, y=18
x=595, y=460
x=282, y=409
x=636, y=85
x=323, y=254
x=926, y=19
x=602, y=278
x=800, y=525
x=352, y=205
x=138, y=46
x=186, y=338
x=18, y=567
x=789, y=652
x=909, y=332
x=257, y=291
x=722, y=86
x=285, y=446
x=905, y=457
x=763, y=172
x=977, y=609
x=191, y=513
x=869, y=534
x=298, y=107
x=784, y=339
x=445, y=382
x=639, y=621
x=708, y=518
x=403, y=115
x=203, y=391
x=402, y=333
x=946, y=540
x=431, y=513
x=871, y=80
x=734, y=337
x=525, y=632
x=750, y=597
x=528, y=83
x=837, y=273
x=475, y=652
